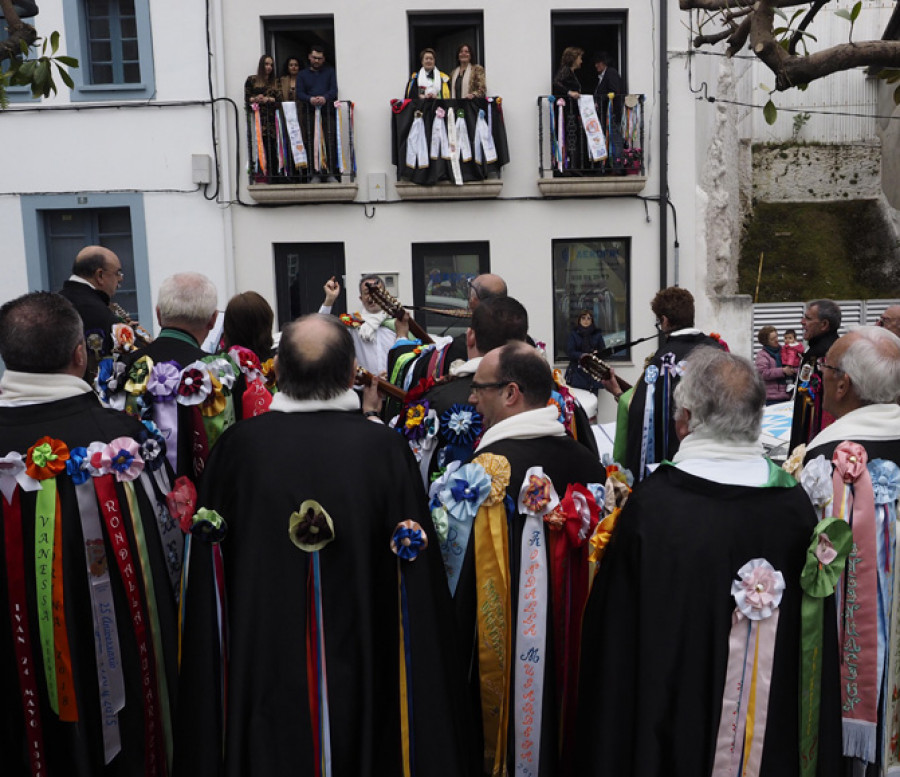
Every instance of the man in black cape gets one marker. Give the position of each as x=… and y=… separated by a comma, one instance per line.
x=111, y=574
x=661, y=629
x=820, y=323
x=340, y=643
x=674, y=310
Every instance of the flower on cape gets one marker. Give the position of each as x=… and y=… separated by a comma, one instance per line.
x=139, y=375
x=209, y=525
x=247, y=362
x=412, y=420
x=78, y=467
x=408, y=540
x=826, y=556
x=122, y=456
x=420, y=388
x=581, y=513
x=602, y=535
x=152, y=445
x=353, y=320
x=537, y=495
x=12, y=471
x=793, y=465
x=46, y=458
x=215, y=402
x=268, y=371
x=497, y=467
x=195, y=385
x=464, y=491
x=163, y=381
x=885, y=480
x=616, y=492
x=95, y=459
x=182, y=503
x=109, y=376
x=310, y=528
x=223, y=368
x=757, y=592
x=123, y=338
x=461, y=424
x=849, y=459
x=816, y=481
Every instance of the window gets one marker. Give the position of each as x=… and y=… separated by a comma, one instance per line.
x=293, y=37
x=445, y=33
x=441, y=272
x=301, y=270
x=112, y=41
x=592, y=274
x=592, y=31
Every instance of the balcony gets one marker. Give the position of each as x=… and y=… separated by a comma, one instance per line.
x=306, y=157
x=440, y=158
x=608, y=163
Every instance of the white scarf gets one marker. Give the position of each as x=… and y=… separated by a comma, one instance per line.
x=347, y=402
x=34, y=388
x=723, y=461
x=543, y=422
x=368, y=330
x=460, y=367
x=869, y=422
x=432, y=86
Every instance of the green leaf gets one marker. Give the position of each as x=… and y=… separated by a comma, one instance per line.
x=844, y=14
x=765, y=87
x=854, y=14
x=67, y=79
x=54, y=41
x=23, y=47
x=67, y=61
x=44, y=46
x=779, y=30
x=802, y=87
x=780, y=13
x=770, y=112
x=42, y=77
x=26, y=69
x=785, y=44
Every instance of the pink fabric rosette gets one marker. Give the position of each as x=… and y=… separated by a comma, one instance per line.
x=123, y=458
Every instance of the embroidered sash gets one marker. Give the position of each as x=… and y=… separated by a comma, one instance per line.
x=596, y=144
x=485, y=152
x=298, y=149
x=416, y=145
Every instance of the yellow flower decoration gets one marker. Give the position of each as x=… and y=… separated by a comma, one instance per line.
x=414, y=416
x=215, y=403
x=138, y=376
x=602, y=535
x=794, y=463
x=497, y=467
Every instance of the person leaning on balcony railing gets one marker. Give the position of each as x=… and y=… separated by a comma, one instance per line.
x=288, y=81
x=610, y=82
x=317, y=87
x=565, y=82
x=261, y=89
x=428, y=82
x=467, y=80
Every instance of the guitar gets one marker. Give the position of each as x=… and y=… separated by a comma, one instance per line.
x=141, y=336
x=390, y=305
x=599, y=370
x=366, y=378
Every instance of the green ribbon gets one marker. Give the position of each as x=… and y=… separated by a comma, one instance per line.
x=818, y=581
x=217, y=424
x=622, y=426
x=44, y=529
x=401, y=362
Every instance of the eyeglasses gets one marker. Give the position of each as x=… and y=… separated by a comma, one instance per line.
x=885, y=321
x=823, y=365
x=118, y=272
x=473, y=289
x=475, y=387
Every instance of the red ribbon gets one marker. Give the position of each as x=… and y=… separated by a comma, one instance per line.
x=256, y=400
x=18, y=617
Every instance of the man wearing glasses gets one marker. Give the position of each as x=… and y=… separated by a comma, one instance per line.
x=820, y=323
x=96, y=275
x=890, y=319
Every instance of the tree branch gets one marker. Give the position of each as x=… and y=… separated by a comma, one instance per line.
x=728, y=5
x=845, y=56
x=18, y=32
x=807, y=20
x=739, y=38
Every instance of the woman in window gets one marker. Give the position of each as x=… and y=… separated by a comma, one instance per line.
x=467, y=80
x=288, y=81
x=565, y=82
x=428, y=82
x=584, y=338
x=261, y=95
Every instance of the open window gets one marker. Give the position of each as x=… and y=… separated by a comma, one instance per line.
x=445, y=33
x=293, y=36
x=591, y=31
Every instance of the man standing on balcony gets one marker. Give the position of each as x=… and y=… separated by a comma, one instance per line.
x=610, y=82
x=317, y=88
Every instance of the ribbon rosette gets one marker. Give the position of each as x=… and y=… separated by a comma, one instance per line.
x=123, y=338
x=268, y=371
x=757, y=592
x=461, y=424
x=354, y=320
x=311, y=528
x=109, y=375
x=152, y=446
x=195, y=385
x=536, y=494
x=497, y=467
x=215, y=403
x=885, y=480
x=247, y=362
x=139, y=376
x=794, y=463
x=182, y=503
x=163, y=381
x=122, y=456
x=815, y=478
x=580, y=512
x=464, y=491
x=46, y=458
x=12, y=471
x=825, y=557
x=439, y=515
x=408, y=540
x=78, y=467
x=412, y=425
x=209, y=525
x=95, y=461
x=221, y=367
x=849, y=459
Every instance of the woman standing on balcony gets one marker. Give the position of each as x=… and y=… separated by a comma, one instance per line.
x=467, y=80
x=565, y=82
x=261, y=95
x=428, y=82
x=288, y=81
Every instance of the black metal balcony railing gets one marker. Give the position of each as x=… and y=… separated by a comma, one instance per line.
x=328, y=153
x=422, y=142
x=563, y=147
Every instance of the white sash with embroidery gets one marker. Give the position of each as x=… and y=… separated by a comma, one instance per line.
x=485, y=152
x=592, y=129
x=416, y=145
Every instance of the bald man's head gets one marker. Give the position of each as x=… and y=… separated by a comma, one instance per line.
x=316, y=359
x=487, y=286
x=100, y=267
x=890, y=319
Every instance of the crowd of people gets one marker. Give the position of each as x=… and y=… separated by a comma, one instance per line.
x=241, y=562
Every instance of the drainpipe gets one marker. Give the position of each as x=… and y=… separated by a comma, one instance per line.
x=663, y=144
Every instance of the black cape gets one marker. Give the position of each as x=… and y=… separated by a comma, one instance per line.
x=808, y=419
x=364, y=476
x=76, y=749
x=656, y=627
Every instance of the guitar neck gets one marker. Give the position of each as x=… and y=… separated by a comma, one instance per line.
x=365, y=378
x=393, y=308
x=418, y=331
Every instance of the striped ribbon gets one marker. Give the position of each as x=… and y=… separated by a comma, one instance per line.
x=260, y=146
x=648, y=436
x=561, y=135
x=44, y=530
x=339, y=129
x=316, y=671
